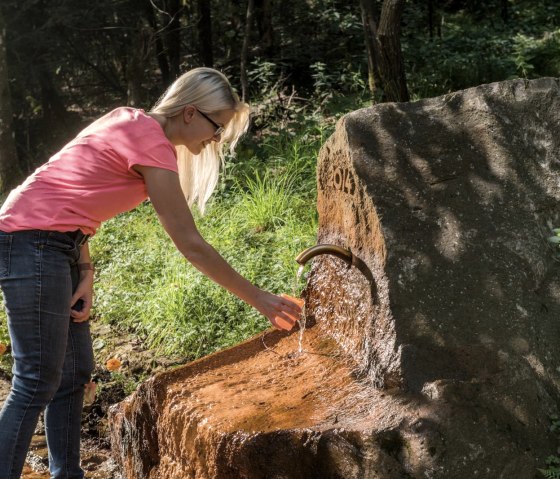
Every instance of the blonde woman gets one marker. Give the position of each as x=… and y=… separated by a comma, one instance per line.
x=171, y=155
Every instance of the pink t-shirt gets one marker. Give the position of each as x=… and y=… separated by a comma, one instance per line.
x=91, y=179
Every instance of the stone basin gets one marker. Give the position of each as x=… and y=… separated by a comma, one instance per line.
x=262, y=410
x=260, y=407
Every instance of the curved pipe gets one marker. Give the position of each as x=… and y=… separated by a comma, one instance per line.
x=338, y=251
x=342, y=253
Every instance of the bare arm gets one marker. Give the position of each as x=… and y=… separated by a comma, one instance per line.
x=169, y=202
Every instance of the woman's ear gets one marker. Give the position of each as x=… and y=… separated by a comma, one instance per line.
x=188, y=113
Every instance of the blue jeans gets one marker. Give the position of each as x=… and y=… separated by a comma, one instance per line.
x=53, y=357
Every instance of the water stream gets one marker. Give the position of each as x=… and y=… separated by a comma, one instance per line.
x=295, y=295
x=302, y=320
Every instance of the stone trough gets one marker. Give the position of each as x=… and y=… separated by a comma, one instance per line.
x=444, y=363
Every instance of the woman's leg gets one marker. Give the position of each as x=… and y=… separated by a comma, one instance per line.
x=37, y=286
x=64, y=413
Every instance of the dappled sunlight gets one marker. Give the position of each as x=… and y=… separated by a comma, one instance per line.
x=450, y=239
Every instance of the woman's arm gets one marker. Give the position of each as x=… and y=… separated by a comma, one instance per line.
x=165, y=192
x=84, y=290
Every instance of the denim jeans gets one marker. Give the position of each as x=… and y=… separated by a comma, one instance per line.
x=53, y=357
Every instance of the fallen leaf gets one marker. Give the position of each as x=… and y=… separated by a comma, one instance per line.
x=113, y=364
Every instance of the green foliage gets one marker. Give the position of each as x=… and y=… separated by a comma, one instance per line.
x=537, y=56
x=459, y=60
x=5, y=359
x=474, y=46
x=556, y=238
x=555, y=424
x=267, y=202
x=265, y=78
x=127, y=383
x=552, y=470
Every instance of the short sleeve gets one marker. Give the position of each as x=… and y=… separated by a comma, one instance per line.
x=161, y=155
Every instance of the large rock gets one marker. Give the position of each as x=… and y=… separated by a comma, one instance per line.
x=445, y=365
x=449, y=200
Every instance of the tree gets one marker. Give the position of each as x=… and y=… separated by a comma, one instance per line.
x=139, y=52
x=371, y=42
x=205, y=33
x=161, y=57
x=504, y=10
x=392, y=63
x=165, y=23
x=9, y=169
x=263, y=17
x=434, y=20
x=245, y=50
x=43, y=59
x=173, y=36
x=384, y=53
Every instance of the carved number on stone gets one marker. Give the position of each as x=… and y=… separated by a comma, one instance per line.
x=343, y=180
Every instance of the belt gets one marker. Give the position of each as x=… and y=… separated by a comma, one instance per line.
x=78, y=237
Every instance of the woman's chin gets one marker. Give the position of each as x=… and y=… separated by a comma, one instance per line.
x=195, y=149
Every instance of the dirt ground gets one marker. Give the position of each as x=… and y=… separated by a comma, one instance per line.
x=138, y=363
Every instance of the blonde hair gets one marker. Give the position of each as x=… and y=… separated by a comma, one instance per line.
x=209, y=91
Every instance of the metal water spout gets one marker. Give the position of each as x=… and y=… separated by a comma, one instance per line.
x=343, y=253
x=339, y=251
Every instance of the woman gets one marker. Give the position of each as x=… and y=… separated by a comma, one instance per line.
x=172, y=155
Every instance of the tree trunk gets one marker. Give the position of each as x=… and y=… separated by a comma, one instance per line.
x=173, y=37
x=383, y=47
x=431, y=18
x=54, y=110
x=205, y=33
x=371, y=42
x=263, y=17
x=139, y=52
x=160, y=53
x=392, y=64
x=505, y=13
x=245, y=51
x=9, y=168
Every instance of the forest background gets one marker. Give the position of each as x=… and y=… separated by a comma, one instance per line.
x=301, y=63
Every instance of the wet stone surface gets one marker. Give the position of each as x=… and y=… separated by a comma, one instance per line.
x=261, y=409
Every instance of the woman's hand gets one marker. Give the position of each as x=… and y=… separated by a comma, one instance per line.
x=281, y=312
x=84, y=292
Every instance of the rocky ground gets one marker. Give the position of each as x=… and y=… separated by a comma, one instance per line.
x=138, y=363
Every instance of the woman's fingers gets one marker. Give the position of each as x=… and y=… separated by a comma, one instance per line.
x=291, y=309
x=293, y=305
x=288, y=312
x=283, y=321
x=282, y=311
x=80, y=308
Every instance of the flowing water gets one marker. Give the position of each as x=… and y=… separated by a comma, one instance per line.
x=302, y=320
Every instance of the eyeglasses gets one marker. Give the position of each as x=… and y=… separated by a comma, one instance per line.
x=219, y=128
